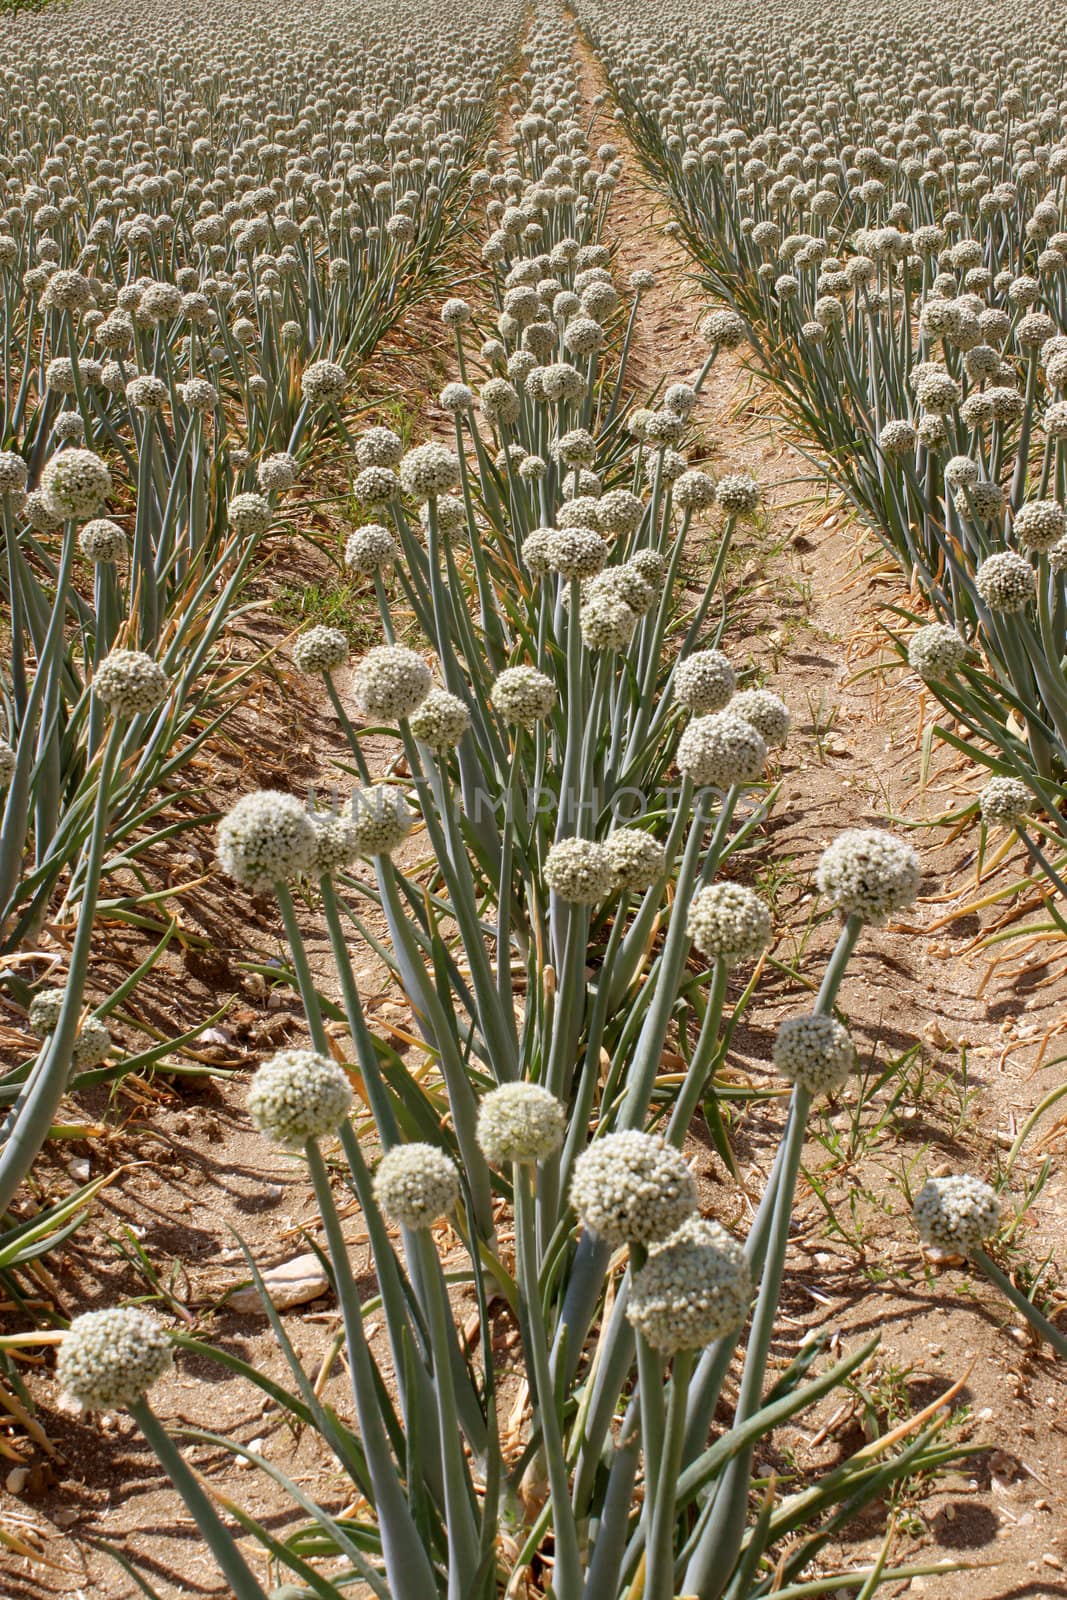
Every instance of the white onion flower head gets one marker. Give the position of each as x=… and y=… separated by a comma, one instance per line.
x=441, y=721
x=578, y=871
x=956, y=1214
x=575, y=553
x=102, y=540
x=724, y=328
x=704, y=681
x=299, y=1095
x=694, y=1288
x=1039, y=524
x=637, y=859
x=75, y=484
x=249, y=514
x=92, y=1045
x=110, y=1359
x=44, y=1010
x=8, y=762
x=277, y=473
x=694, y=490
x=379, y=447
x=428, y=471
x=14, y=473
x=618, y=513
x=632, y=1188
x=336, y=845
x=391, y=682
x=320, y=649
x=381, y=820
x=130, y=683
x=520, y=1122
x=371, y=549
x=738, y=493
x=767, y=713
x=729, y=922
x=1006, y=581
x=936, y=650
x=323, y=383
x=868, y=873
x=523, y=696
x=814, y=1051
x=268, y=837
x=721, y=751
x=607, y=623
x=1005, y=802
x=415, y=1184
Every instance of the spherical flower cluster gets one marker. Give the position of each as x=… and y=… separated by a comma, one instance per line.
x=441, y=720
x=323, y=383
x=767, y=713
x=266, y=838
x=110, y=1359
x=721, y=750
x=44, y=1010
x=520, y=1122
x=428, y=471
x=936, y=650
x=199, y=395
x=961, y=471
x=391, y=682
x=320, y=649
x=694, y=1288
x=578, y=871
x=637, y=859
x=632, y=1188
x=379, y=447
x=375, y=486
x=575, y=553
x=1039, y=524
x=607, y=623
x=102, y=540
x=1005, y=581
x=249, y=514
x=92, y=1045
x=694, y=490
x=277, y=473
x=724, y=328
x=130, y=682
x=454, y=313
x=897, y=439
x=8, y=762
x=738, y=494
x=14, y=473
x=370, y=549
x=380, y=820
x=704, y=681
x=415, y=1184
x=335, y=843
x=523, y=696
x=814, y=1051
x=75, y=484
x=729, y=923
x=1005, y=801
x=956, y=1214
x=618, y=513
x=299, y=1095
x=147, y=393
x=868, y=873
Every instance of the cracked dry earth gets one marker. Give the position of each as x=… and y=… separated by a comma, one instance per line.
x=977, y=1048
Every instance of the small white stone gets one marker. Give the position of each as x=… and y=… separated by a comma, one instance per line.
x=290, y=1283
